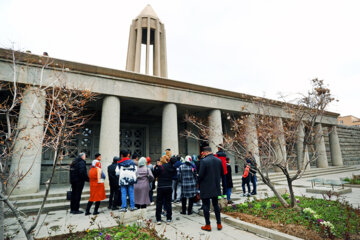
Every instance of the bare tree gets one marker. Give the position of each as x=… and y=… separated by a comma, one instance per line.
x=276, y=139
x=65, y=114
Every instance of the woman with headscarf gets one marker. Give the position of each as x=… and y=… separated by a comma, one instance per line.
x=187, y=177
x=142, y=187
x=97, y=188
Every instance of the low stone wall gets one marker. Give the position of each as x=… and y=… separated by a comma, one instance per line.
x=349, y=138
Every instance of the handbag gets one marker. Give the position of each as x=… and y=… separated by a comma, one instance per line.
x=197, y=197
x=68, y=194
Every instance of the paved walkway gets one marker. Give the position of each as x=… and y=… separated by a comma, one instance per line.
x=182, y=227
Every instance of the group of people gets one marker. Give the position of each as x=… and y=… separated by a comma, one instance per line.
x=176, y=179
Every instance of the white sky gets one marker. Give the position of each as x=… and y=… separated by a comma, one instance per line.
x=255, y=47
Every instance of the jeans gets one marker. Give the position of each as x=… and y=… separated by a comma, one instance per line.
x=247, y=182
x=176, y=190
x=124, y=192
x=76, y=192
x=163, y=194
x=228, y=194
x=253, y=181
x=224, y=185
x=206, y=209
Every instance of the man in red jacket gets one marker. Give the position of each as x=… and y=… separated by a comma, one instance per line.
x=222, y=156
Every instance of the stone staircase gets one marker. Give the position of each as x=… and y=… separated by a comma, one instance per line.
x=30, y=203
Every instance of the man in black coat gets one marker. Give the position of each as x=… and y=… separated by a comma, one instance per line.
x=114, y=185
x=210, y=175
x=78, y=177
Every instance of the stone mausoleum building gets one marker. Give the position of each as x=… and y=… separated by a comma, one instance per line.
x=144, y=112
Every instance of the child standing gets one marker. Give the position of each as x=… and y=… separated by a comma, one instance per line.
x=246, y=180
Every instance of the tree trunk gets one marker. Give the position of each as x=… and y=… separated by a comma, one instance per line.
x=267, y=181
x=293, y=203
x=2, y=212
x=17, y=215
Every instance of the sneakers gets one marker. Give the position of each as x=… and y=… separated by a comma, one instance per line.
x=168, y=221
x=253, y=193
x=123, y=210
x=158, y=222
x=87, y=213
x=76, y=212
x=114, y=208
x=219, y=226
x=133, y=209
x=206, y=228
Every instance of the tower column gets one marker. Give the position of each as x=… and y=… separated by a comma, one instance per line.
x=252, y=138
x=215, y=129
x=147, y=45
x=336, y=157
x=26, y=161
x=131, y=49
x=321, y=161
x=169, y=133
x=156, y=62
x=138, y=45
x=163, y=56
x=109, y=131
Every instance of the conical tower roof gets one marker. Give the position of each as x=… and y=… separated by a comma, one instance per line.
x=148, y=11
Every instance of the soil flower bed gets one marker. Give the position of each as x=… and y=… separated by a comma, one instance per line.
x=318, y=219
x=129, y=232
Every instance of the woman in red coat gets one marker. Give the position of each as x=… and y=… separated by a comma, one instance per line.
x=97, y=188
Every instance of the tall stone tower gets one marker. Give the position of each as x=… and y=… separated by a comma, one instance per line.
x=147, y=29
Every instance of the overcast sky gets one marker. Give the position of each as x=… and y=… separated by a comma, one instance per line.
x=255, y=47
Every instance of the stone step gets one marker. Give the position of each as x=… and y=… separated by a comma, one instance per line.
x=57, y=200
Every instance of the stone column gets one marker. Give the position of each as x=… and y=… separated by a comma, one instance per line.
x=109, y=131
x=163, y=55
x=336, y=157
x=169, y=134
x=252, y=138
x=321, y=161
x=156, y=49
x=28, y=145
x=138, y=46
x=302, y=156
x=280, y=145
x=215, y=130
x=147, y=46
x=131, y=49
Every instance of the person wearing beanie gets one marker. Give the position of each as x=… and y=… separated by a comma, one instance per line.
x=187, y=178
x=114, y=185
x=142, y=186
x=210, y=175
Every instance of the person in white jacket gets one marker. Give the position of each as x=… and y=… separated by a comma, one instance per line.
x=126, y=170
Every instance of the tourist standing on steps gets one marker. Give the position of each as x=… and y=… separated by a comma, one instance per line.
x=229, y=181
x=251, y=160
x=126, y=170
x=142, y=186
x=164, y=171
x=78, y=177
x=210, y=175
x=222, y=156
x=114, y=185
x=187, y=177
x=97, y=188
x=246, y=180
